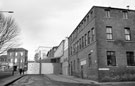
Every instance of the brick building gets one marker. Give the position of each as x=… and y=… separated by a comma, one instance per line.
x=4, y=62
x=18, y=57
x=102, y=46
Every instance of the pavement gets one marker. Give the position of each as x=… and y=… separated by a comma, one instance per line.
x=9, y=80
x=72, y=79
x=69, y=79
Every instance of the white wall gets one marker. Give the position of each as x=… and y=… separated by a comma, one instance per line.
x=60, y=50
x=47, y=68
x=33, y=68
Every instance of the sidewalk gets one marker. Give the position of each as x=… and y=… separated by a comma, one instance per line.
x=70, y=79
x=10, y=79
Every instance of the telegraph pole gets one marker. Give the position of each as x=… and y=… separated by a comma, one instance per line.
x=40, y=66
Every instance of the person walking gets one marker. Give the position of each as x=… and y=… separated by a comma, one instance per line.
x=20, y=71
x=14, y=69
x=23, y=71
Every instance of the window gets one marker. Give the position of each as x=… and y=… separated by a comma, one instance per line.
x=15, y=60
x=75, y=47
x=11, y=60
x=130, y=58
x=92, y=34
x=71, y=50
x=107, y=13
x=127, y=34
x=68, y=52
x=91, y=13
x=74, y=64
x=78, y=45
x=21, y=53
x=16, y=54
x=78, y=63
x=125, y=15
x=86, y=40
x=89, y=59
x=10, y=54
x=87, y=18
x=89, y=37
x=111, y=59
x=82, y=41
x=109, y=33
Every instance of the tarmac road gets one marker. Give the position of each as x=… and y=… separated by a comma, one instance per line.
x=5, y=74
x=40, y=80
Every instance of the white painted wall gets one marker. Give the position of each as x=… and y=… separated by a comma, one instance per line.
x=60, y=50
x=33, y=68
x=47, y=68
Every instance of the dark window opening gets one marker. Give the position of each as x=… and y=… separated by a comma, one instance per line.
x=111, y=58
x=130, y=59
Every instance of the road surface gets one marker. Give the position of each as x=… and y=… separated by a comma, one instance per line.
x=4, y=74
x=40, y=80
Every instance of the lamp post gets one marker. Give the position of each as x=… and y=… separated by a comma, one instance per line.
x=40, y=65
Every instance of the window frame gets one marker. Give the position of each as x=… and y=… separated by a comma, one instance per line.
x=92, y=34
x=109, y=33
x=111, y=57
x=125, y=15
x=82, y=41
x=86, y=40
x=89, y=37
x=127, y=35
x=131, y=59
x=107, y=13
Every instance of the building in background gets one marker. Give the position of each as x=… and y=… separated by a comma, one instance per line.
x=18, y=57
x=42, y=52
x=56, y=59
x=4, y=63
x=102, y=46
x=51, y=52
x=54, y=56
x=64, y=57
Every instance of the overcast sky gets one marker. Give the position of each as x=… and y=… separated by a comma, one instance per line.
x=48, y=22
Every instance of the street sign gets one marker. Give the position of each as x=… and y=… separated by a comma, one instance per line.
x=103, y=69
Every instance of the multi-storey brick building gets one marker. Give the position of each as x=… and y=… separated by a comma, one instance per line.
x=4, y=62
x=51, y=52
x=102, y=46
x=18, y=57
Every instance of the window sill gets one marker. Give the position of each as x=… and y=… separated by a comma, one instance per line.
x=108, y=17
x=110, y=40
x=112, y=66
x=125, y=18
x=130, y=66
x=130, y=41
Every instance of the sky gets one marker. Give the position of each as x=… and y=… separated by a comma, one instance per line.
x=48, y=22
